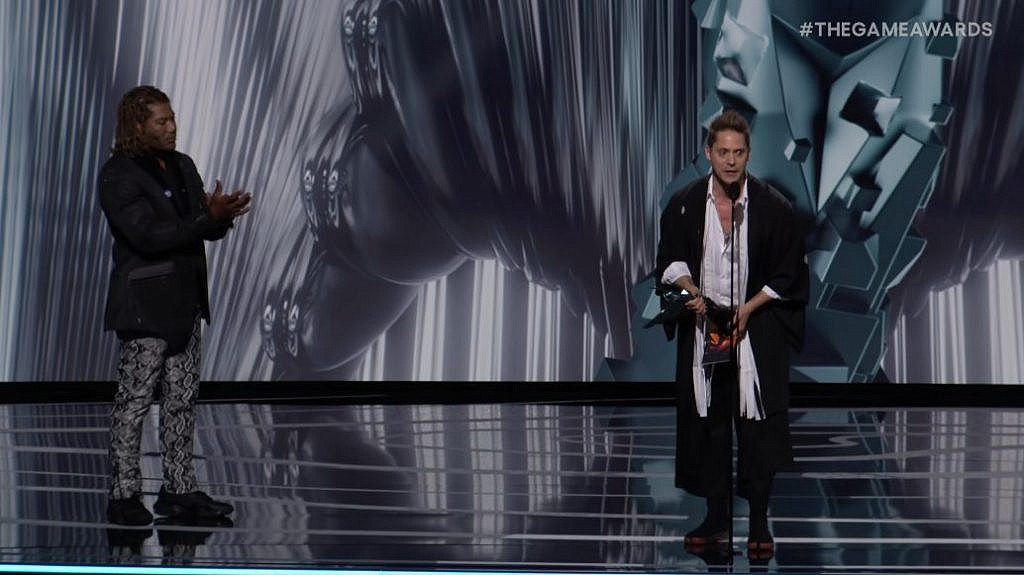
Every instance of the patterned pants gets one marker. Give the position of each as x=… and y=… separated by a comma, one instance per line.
x=142, y=365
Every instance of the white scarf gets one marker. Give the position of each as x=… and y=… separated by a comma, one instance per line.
x=715, y=284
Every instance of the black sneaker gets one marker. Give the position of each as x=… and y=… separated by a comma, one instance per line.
x=128, y=511
x=196, y=504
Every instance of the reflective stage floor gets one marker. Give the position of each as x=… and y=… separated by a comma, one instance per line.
x=518, y=487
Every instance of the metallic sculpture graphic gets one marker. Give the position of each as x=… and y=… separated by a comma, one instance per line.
x=845, y=127
x=460, y=140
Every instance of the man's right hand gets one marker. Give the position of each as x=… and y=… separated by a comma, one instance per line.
x=228, y=206
x=696, y=304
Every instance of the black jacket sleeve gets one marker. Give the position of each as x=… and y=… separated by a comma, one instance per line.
x=195, y=183
x=125, y=203
x=788, y=274
x=671, y=244
x=788, y=270
x=674, y=244
x=219, y=230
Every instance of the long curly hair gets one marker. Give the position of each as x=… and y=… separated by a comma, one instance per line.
x=132, y=111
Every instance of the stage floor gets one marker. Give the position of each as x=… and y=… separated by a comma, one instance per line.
x=535, y=487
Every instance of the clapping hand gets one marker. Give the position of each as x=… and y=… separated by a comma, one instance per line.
x=228, y=206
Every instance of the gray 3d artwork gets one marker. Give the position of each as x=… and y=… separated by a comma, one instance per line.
x=460, y=139
x=845, y=128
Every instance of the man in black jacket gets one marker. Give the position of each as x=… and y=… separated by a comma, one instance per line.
x=159, y=215
x=757, y=266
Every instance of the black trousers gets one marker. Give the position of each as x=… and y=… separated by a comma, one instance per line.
x=704, y=446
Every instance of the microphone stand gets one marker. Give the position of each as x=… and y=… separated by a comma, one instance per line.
x=733, y=191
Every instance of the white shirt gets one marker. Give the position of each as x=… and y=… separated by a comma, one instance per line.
x=715, y=280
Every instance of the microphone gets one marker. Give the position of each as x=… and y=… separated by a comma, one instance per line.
x=733, y=190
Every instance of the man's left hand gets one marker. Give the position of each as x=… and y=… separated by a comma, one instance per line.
x=739, y=322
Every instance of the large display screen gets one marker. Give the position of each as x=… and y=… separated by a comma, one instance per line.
x=470, y=190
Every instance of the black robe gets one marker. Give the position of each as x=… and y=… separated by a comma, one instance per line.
x=776, y=259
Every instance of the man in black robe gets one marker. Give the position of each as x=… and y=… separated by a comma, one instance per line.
x=760, y=262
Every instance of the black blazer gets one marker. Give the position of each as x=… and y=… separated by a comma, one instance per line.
x=158, y=282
